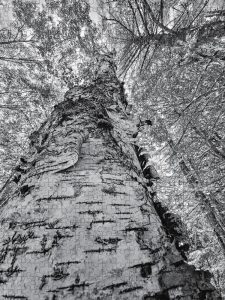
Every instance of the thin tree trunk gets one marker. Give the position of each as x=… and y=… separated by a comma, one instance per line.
x=77, y=221
x=207, y=201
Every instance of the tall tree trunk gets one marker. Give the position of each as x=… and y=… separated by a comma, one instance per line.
x=77, y=221
x=208, y=202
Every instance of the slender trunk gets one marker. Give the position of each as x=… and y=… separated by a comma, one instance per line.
x=77, y=221
x=207, y=202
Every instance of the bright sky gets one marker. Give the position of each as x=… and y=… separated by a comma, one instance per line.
x=93, y=12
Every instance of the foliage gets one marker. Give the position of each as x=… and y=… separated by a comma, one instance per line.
x=46, y=50
x=144, y=28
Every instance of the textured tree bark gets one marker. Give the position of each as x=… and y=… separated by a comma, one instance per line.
x=77, y=220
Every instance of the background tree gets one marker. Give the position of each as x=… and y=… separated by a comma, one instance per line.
x=178, y=50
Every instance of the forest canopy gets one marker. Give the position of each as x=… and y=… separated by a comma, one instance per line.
x=171, y=56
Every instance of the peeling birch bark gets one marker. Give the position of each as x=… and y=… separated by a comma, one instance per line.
x=77, y=220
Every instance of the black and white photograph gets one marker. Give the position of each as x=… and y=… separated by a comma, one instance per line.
x=112, y=149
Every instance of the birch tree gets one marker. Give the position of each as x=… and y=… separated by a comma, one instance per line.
x=77, y=219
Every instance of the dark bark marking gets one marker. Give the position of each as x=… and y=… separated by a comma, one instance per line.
x=21, y=170
x=3, y=281
x=71, y=288
x=44, y=138
x=39, y=252
x=100, y=222
x=131, y=289
x=55, y=243
x=115, y=285
x=89, y=212
x=138, y=229
x=151, y=173
x=3, y=253
x=100, y=250
x=11, y=270
x=16, y=179
x=143, y=159
x=13, y=224
x=64, y=118
x=145, y=269
x=55, y=198
x=43, y=282
x=18, y=250
x=52, y=291
x=18, y=238
x=23, y=160
x=158, y=296
x=118, y=204
x=15, y=297
x=74, y=226
x=68, y=263
x=173, y=227
x=122, y=94
x=25, y=190
x=57, y=237
x=90, y=203
x=58, y=274
x=43, y=243
x=111, y=190
x=107, y=241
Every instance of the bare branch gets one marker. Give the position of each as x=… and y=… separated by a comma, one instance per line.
x=154, y=19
